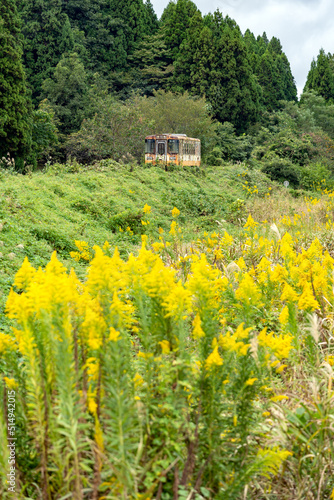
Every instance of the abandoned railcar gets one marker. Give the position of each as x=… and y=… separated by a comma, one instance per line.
x=177, y=149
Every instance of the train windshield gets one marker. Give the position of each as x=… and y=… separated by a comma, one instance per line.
x=173, y=146
x=150, y=146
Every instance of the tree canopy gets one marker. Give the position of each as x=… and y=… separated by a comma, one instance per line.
x=15, y=107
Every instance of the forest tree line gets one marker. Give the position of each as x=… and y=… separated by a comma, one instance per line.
x=82, y=77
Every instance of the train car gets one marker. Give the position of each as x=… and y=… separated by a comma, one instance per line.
x=176, y=149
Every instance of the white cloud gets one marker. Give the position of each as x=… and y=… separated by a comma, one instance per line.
x=303, y=26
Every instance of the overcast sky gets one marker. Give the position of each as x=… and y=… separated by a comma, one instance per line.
x=303, y=26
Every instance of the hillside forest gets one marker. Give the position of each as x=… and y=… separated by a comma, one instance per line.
x=89, y=79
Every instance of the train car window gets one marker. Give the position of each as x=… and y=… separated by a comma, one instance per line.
x=173, y=146
x=150, y=146
x=189, y=148
x=161, y=148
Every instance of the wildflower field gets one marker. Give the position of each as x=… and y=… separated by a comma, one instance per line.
x=188, y=368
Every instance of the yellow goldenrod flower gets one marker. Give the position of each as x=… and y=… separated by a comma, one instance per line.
x=197, y=331
x=10, y=383
x=144, y=355
x=114, y=334
x=284, y=316
x=330, y=360
x=138, y=380
x=234, y=342
x=279, y=274
x=175, y=212
x=280, y=368
x=92, y=406
x=147, y=209
x=213, y=359
x=241, y=263
x=250, y=222
x=165, y=346
x=157, y=246
x=24, y=275
x=251, y=381
x=306, y=300
x=6, y=342
x=279, y=345
x=227, y=240
x=286, y=246
x=280, y=397
x=98, y=435
x=248, y=291
x=288, y=294
x=173, y=228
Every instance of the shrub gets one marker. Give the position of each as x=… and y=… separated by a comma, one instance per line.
x=280, y=169
x=315, y=177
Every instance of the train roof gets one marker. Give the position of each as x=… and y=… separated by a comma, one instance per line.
x=170, y=136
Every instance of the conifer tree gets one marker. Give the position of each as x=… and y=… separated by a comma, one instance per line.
x=269, y=79
x=67, y=92
x=47, y=35
x=151, y=63
x=288, y=81
x=104, y=37
x=262, y=43
x=177, y=19
x=134, y=15
x=272, y=69
x=213, y=61
x=152, y=23
x=321, y=77
x=15, y=107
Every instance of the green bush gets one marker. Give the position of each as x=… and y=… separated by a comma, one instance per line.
x=229, y=146
x=282, y=169
x=316, y=176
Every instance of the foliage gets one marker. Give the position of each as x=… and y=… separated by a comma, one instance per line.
x=151, y=64
x=213, y=61
x=44, y=133
x=67, y=92
x=177, y=358
x=47, y=35
x=137, y=17
x=116, y=131
x=320, y=78
x=15, y=107
x=322, y=111
x=281, y=170
x=229, y=146
x=314, y=175
x=176, y=21
x=178, y=113
x=272, y=69
x=99, y=37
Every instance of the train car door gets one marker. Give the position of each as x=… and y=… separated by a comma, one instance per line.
x=161, y=151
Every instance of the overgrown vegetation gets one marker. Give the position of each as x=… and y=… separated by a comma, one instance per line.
x=198, y=364
x=167, y=332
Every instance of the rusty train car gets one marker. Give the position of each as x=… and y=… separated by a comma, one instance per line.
x=176, y=149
